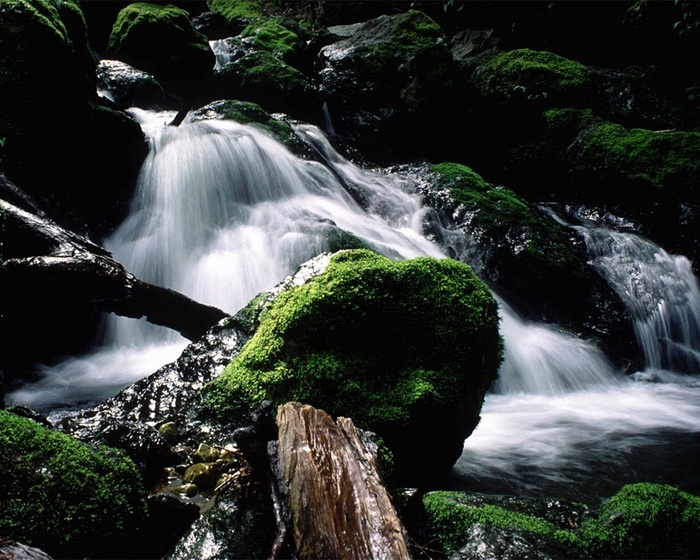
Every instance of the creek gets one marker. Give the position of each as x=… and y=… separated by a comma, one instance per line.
x=223, y=212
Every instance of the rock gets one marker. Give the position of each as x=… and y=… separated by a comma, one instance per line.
x=378, y=339
x=10, y=550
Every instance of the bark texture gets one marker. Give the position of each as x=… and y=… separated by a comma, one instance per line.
x=338, y=505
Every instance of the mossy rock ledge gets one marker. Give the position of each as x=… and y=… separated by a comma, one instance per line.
x=642, y=520
x=65, y=497
x=407, y=349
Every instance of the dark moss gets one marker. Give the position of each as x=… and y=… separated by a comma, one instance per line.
x=65, y=497
x=142, y=18
x=410, y=42
x=531, y=75
x=663, y=160
x=161, y=39
x=450, y=518
x=262, y=69
x=236, y=9
x=499, y=213
x=646, y=520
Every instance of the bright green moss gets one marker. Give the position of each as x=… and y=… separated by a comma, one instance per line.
x=646, y=520
x=668, y=160
x=370, y=338
x=269, y=35
x=460, y=177
x=236, y=9
x=529, y=74
x=65, y=497
x=450, y=520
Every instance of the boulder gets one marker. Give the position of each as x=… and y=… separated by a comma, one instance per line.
x=161, y=40
x=53, y=122
x=408, y=348
x=388, y=85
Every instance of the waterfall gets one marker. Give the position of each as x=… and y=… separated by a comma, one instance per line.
x=539, y=359
x=222, y=212
x=584, y=433
x=660, y=291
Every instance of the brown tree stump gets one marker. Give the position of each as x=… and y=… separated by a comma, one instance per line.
x=338, y=506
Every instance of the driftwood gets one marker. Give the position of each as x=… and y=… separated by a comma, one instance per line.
x=337, y=503
x=45, y=262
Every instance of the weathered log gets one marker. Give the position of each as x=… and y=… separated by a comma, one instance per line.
x=45, y=262
x=338, y=506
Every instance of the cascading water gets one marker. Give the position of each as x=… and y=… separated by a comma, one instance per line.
x=223, y=212
x=660, y=292
x=220, y=213
x=561, y=420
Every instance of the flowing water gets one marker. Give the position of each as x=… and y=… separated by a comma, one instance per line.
x=223, y=212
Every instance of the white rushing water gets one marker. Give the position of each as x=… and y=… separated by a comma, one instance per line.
x=562, y=421
x=222, y=212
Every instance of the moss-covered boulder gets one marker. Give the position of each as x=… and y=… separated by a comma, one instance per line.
x=161, y=40
x=469, y=525
x=530, y=75
x=529, y=259
x=388, y=85
x=245, y=112
x=648, y=176
x=645, y=163
x=266, y=79
x=645, y=520
x=642, y=520
x=51, y=120
x=406, y=349
x=67, y=498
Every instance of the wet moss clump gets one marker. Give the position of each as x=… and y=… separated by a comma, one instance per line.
x=404, y=348
x=451, y=516
x=140, y=19
x=645, y=520
x=499, y=213
x=531, y=75
x=65, y=497
x=271, y=36
x=236, y=9
x=667, y=160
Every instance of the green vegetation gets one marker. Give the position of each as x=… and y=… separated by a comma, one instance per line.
x=65, y=497
x=497, y=211
x=235, y=9
x=668, y=159
x=529, y=74
x=645, y=521
x=139, y=25
x=270, y=35
x=642, y=520
x=371, y=338
x=414, y=43
x=450, y=518
x=260, y=70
